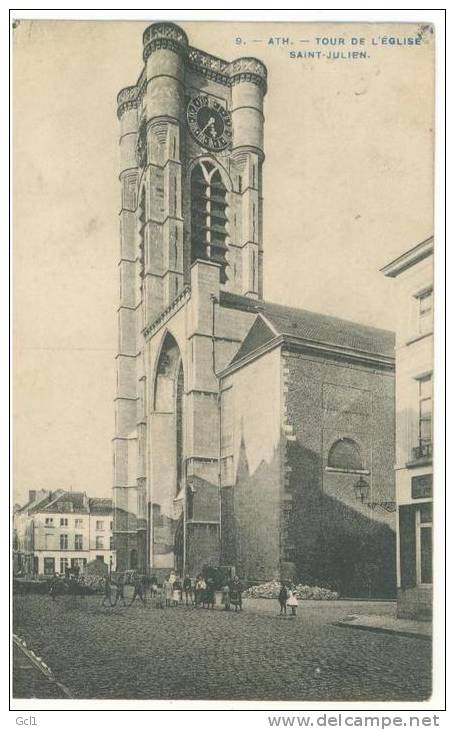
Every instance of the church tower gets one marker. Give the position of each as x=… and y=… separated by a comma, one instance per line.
x=191, y=151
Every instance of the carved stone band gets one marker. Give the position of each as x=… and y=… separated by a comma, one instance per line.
x=170, y=36
x=164, y=30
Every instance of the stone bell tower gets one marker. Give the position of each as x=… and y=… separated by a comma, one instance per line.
x=191, y=151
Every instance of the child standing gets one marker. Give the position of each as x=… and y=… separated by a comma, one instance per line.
x=293, y=602
x=176, y=591
x=153, y=586
x=225, y=597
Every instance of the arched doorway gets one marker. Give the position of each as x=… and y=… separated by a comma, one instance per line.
x=133, y=559
x=169, y=399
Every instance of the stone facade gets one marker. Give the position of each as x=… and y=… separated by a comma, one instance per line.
x=190, y=227
x=62, y=530
x=202, y=454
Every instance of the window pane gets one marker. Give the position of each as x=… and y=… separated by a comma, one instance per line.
x=425, y=429
x=49, y=566
x=426, y=571
x=426, y=513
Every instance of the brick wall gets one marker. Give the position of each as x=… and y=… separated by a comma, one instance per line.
x=333, y=538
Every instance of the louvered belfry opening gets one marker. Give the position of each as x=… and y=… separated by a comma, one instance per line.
x=209, y=216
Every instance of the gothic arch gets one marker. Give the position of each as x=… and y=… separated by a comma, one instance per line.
x=209, y=188
x=207, y=158
x=166, y=374
x=169, y=399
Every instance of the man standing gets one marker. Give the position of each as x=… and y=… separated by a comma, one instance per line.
x=282, y=598
x=139, y=589
x=53, y=587
x=107, y=592
x=120, y=586
x=187, y=588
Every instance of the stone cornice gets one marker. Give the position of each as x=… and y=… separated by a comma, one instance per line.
x=246, y=69
x=409, y=258
x=127, y=99
x=209, y=66
x=166, y=30
x=169, y=36
x=300, y=344
x=169, y=43
x=178, y=302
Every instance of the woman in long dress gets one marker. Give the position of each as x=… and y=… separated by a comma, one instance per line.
x=236, y=593
x=199, y=590
x=167, y=585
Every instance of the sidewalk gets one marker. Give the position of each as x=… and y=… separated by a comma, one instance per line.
x=388, y=625
x=32, y=678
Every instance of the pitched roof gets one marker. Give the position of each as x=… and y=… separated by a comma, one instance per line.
x=100, y=505
x=259, y=334
x=330, y=330
x=312, y=327
x=41, y=500
x=61, y=501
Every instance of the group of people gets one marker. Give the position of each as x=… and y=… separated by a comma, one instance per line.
x=287, y=598
x=173, y=591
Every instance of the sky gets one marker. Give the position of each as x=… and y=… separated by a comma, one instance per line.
x=348, y=186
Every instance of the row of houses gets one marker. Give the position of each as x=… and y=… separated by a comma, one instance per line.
x=57, y=531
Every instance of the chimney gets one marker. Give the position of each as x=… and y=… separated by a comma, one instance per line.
x=31, y=495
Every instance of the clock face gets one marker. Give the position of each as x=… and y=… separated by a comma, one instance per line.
x=209, y=122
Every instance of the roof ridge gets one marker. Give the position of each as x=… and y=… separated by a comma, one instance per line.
x=324, y=315
x=261, y=305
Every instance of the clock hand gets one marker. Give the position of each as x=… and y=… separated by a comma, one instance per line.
x=211, y=122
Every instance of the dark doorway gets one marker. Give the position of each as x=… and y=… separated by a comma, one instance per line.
x=178, y=547
x=133, y=559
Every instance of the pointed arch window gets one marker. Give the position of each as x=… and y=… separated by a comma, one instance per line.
x=169, y=399
x=209, y=215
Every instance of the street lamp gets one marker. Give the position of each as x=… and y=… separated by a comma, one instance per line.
x=361, y=491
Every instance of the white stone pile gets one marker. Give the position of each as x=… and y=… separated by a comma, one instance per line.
x=304, y=593
x=92, y=582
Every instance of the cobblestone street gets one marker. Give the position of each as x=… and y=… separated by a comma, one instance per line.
x=187, y=653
